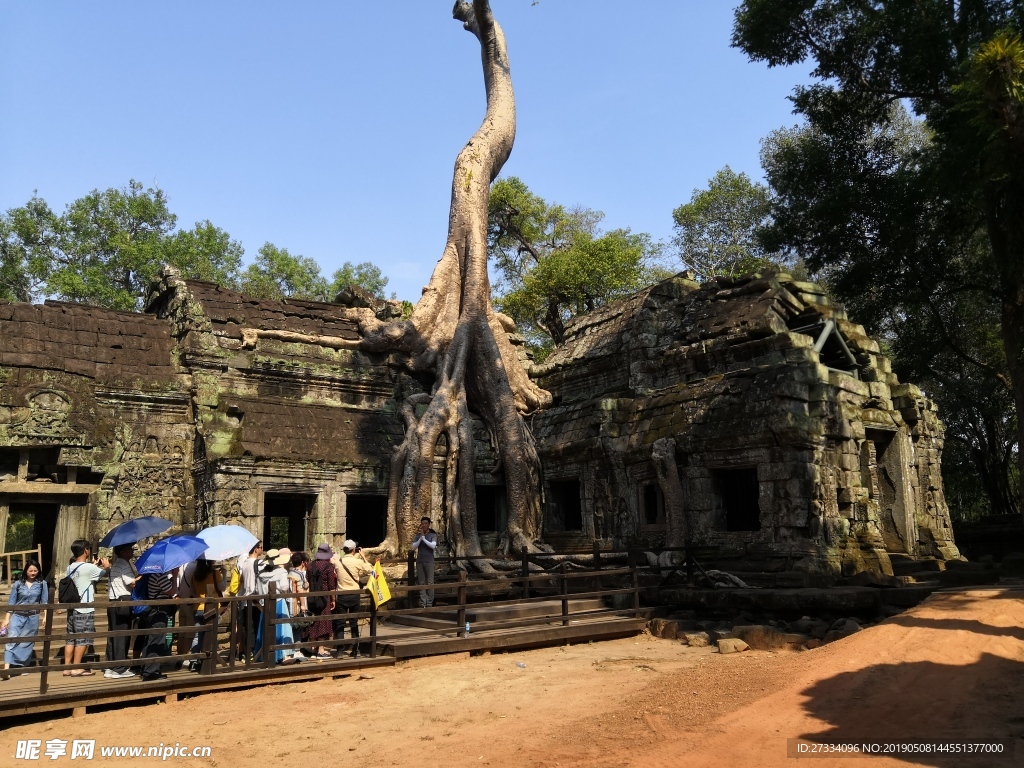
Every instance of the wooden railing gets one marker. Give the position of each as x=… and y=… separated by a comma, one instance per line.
x=228, y=615
x=25, y=556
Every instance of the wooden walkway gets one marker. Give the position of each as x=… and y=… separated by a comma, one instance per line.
x=556, y=617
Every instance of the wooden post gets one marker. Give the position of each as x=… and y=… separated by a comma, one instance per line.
x=411, y=578
x=526, y=575
x=565, y=597
x=250, y=631
x=269, y=612
x=209, y=664
x=461, y=629
x=47, y=631
x=373, y=629
x=232, y=634
x=636, y=584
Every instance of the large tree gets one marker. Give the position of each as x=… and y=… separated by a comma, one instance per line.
x=455, y=335
x=276, y=273
x=960, y=66
x=105, y=248
x=716, y=231
x=555, y=263
x=365, y=274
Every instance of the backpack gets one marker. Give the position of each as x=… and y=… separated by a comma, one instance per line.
x=139, y=592
x=318, y=603
x=67, y=590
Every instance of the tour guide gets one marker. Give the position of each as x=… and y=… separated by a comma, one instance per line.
x=424, y=544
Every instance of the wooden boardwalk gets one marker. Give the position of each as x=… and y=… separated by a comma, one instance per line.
x=388, y=636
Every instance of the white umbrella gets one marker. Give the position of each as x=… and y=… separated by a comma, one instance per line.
x=226, y=541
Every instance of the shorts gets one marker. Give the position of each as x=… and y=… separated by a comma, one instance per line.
x=79, y=623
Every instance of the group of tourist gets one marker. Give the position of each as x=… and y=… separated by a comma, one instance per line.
x=292, y=574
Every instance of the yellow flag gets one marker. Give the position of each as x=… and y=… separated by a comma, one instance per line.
x=378, y=586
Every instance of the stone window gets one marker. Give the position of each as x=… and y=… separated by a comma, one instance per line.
x=738, y=492
x=652, y=507
x=565, y=508
x=491, y=508
x=366, y=518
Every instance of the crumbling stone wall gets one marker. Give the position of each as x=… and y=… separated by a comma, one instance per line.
x=846, y=459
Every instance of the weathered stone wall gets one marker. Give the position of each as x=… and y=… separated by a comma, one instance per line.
x=846, y=459
x=794, y=441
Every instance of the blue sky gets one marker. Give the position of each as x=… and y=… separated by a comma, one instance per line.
x=330, y=128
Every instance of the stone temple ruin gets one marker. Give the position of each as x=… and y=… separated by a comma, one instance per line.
x=791, y=445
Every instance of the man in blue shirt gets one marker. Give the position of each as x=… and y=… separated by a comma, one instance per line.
x=425, y=543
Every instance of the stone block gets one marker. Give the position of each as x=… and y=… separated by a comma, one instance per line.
x=696, y=639
x=731, y=645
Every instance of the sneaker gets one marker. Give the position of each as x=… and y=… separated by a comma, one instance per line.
x=124, y=675
x=109, y=673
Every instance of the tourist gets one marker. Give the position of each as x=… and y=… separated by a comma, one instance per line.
x=185, y=577
x=155, y=586
x=21, y=620
x=82, y=621
x=204, y=584
x=322, y=577
x=353, y=572
x=249, y=610
x=273, y=572
x=424, y=544
x=299, y=585
x=119, y=619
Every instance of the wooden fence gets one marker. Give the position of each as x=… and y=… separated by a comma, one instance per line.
x=226, y=625
x=24, y=555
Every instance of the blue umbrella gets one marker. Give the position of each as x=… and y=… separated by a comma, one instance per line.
x=168, y=554
x=226, y=541
x=134, y=530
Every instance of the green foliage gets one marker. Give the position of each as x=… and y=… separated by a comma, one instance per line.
x=205, y=252
x=366, y=275
x=554, y=263
x=105, y=248
x=277, y=274
x=914, y=223
x=21, y=528
x=716, y=232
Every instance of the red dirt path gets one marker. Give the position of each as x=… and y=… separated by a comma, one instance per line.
x=952, y=668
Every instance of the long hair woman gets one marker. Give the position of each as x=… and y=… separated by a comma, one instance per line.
x=28, y=595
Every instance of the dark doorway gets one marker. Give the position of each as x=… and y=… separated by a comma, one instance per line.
x=652, y=506
x=284, y=520
x=565, y=509
x=739, y=491
x=491, y=508
x=29, y=524
x=366, y=519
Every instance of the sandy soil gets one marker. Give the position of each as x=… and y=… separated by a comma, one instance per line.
x=953, y=668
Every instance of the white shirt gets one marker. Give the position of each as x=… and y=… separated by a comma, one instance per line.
x=122, y=579
x=247, y=574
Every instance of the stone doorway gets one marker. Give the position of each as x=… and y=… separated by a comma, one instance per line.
x=30, y=523
x=285, y=520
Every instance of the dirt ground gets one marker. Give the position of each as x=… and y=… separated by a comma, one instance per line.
x=951, y=669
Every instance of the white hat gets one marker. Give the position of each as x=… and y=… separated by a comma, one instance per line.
x=349, y=545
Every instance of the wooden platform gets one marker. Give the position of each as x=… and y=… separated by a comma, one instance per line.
x=403, y=642
x=20, y=694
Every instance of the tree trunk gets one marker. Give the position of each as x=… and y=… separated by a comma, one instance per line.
x=455, y=334
x=663, y=456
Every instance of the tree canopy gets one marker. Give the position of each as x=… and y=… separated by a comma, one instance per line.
x=716, y=233
x=921, y=225
x=107, y=246
x=554, y=263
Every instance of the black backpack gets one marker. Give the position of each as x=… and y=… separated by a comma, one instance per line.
x=318, y=603
x=67, y=590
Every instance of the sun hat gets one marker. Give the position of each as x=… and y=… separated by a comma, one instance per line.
x=324, y=552
x=282, y=558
